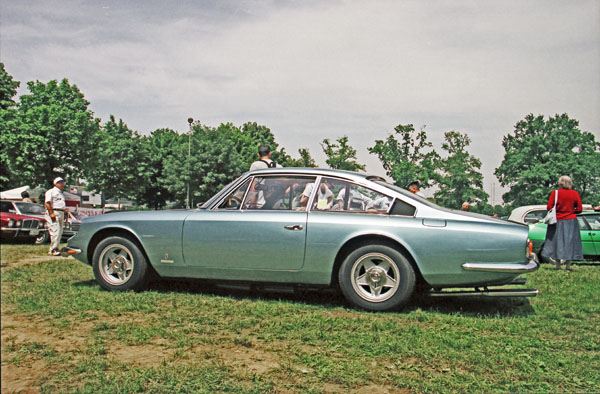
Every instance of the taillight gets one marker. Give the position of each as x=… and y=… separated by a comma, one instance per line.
x=529, y=247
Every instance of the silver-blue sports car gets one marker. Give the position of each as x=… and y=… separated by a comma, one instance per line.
x=373, y=241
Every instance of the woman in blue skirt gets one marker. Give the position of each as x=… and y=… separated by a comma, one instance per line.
x=563, y=240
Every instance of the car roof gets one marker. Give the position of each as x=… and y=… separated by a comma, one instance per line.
x=350, y=175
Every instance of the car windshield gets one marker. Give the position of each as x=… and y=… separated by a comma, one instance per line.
x=27, y=208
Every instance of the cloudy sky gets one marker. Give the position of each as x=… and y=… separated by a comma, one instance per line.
x=311, y=70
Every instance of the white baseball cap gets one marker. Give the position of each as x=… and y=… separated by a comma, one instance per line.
x=57, y=180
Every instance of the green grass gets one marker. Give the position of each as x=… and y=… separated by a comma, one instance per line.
x=187, y=337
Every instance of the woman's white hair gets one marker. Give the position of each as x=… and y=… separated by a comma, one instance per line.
x=565, y=182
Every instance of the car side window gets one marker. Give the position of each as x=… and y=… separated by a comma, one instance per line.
x=234, y=200
x=535, y=216
x=594, y=221
x=279, y=193
x=7, y=206
x=337, y=195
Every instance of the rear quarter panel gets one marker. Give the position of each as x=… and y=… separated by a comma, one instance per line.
x=438, y=247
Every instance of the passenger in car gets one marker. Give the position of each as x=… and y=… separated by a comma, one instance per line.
x=324, y=196
x=357, y=202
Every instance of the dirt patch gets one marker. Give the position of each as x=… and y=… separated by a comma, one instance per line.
x=7, y=263
x=253, y=360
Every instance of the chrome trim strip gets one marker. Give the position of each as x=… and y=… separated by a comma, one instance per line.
x=532, y=265
x=488, y=293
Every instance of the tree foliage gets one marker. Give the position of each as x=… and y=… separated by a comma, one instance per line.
x=305, y=160
x=459, y=178
x=340, y=155
x=52, y=133
x=8, y=113
x=8, y=89
x=120, y=168
x=407, y=157
x=159, y=148
x=539, y=151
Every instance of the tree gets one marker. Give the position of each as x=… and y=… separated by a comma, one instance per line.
x=409, y=158
x=215, y=161
x=459, y=178
x=540, y=151
x=8, y=112
x=52, y=134
x=158, y=148
x=121, y=170
x=340, y=155
x=305, y=160
x=8, y=89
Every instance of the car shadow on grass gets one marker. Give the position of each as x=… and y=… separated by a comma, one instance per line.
x=482, y=307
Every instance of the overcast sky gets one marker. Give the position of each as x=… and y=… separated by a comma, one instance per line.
x=311, y=70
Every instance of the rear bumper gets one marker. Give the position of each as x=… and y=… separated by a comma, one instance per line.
x=517, y=268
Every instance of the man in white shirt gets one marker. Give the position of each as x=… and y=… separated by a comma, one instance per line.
x=257, y=197
x=264, y=159
x=55, y=214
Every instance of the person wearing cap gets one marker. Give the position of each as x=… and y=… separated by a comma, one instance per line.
x=55, y=214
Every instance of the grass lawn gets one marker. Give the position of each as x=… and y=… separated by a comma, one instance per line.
x=62, y=334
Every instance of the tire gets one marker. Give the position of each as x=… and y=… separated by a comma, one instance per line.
x=377, y=278
x=120, y=265
x=42, y=238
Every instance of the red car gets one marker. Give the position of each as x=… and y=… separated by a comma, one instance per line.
x=16, y=227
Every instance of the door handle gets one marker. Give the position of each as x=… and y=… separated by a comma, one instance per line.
x=295, y=227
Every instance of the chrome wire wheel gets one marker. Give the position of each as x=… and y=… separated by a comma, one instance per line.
x=375, y=277
x=116, y=264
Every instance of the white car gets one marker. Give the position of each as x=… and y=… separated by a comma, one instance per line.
x=528, y=214
x=531, y=214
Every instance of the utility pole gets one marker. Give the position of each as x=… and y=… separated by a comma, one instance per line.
x=190, y=121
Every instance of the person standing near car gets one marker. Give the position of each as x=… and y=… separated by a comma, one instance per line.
x=55, y=214
x=264, y=159
x=563, y=239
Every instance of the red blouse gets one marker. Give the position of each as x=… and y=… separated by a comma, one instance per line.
x=568, y=204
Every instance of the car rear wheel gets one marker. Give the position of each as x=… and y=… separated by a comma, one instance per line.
x=377, y=278
x=120, y=265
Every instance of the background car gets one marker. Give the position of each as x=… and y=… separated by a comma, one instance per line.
x=528, y=214
x=534, y=213
x=373, y=241
x=17, y=227
x=70, y=226
x=589, y=225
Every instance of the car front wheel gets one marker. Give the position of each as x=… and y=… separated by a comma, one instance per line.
x=119, y=265
x=376, y=278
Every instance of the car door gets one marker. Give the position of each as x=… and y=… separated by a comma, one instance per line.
x=590, y=233
x=266, y=232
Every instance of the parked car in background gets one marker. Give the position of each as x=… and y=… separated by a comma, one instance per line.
x=528, y=214
x=373, y=241
x=70, y=227
x=589, y=225
x=534, y=213
x=18, y=227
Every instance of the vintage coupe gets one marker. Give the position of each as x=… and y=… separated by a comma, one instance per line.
x=374, y=241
